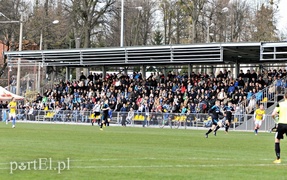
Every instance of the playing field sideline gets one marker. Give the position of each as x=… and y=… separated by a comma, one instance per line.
x=50, y=151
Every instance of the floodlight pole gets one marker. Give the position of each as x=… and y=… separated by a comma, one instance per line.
x=41, y=48
x=122, y=24
x=19, y=59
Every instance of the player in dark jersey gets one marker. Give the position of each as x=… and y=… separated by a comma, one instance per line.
x=105, y=113
x=214, y=112
x=228, y=111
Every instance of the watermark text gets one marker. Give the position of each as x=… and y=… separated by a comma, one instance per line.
x=40, y=164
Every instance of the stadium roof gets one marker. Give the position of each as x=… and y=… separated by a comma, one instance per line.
x=210, y=53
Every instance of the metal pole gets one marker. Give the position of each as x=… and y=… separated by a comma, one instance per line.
x=39, y=68
x=19, y=59
x=122, y=24
x=225, y=37
x=41, y=40
x=9, y=88
x=35, y=77
x=208, y=38
x=39, y=78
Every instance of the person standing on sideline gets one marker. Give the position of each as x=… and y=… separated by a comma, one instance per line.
x=214, y=112
x=228, y=111
x=105, y=113
x=97, y=112
x=259, y=116
x=146, y=113
x=123, y=114
x=130, y=116
x=12, y=114
x=280, y=110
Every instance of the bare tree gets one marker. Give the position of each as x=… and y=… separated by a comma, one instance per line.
x=264, y=24
x=168, y=12
x=138, y=24
x=86, y=15
x=194, y=9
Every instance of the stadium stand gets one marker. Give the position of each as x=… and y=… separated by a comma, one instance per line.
x=173, y=99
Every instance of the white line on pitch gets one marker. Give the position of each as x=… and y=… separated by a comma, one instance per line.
x=167, y=158
x=178, y=166
x=173, y=166
x=150, y=158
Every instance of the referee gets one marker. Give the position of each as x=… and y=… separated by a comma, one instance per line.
x=280, y=110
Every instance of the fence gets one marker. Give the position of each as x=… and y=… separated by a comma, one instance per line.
x=161, y=120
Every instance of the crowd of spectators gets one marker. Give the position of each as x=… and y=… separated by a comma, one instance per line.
x=157, y=93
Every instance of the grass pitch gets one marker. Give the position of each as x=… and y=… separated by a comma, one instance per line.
x=85, y=152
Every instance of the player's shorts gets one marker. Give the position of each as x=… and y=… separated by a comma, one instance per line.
x=228, y=119
x=281, y=130
x=97, y=115
x=12, y=115
x=258, y=122
x=214, y=122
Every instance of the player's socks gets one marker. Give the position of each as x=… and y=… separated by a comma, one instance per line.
x=277, y=150
x=256, y=131
x=217, y=127
x=226, y=128
x=209, y=131
x=13, y=122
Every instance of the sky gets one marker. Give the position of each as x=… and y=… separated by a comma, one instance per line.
x=282, y=20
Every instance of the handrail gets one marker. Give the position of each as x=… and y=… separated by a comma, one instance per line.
x=162, y=119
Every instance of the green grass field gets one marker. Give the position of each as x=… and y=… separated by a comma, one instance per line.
x=135, y=153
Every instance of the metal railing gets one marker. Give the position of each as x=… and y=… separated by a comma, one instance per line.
x=269, y=94
x=151, y=119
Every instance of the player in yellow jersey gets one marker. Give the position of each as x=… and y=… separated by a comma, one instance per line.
x=259, y=117
x=12, y=111
x=280, y=110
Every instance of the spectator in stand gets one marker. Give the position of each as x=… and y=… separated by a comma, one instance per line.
x=231, y=90
x=284, y=73
x=278, y=84
x=221, y=95
x=265, y=75
x=254, y=75
x=91, y=77
x=251, y=105
x=241, y=82
x=250, y=94
x=275, y=73
x=220, y=75
x=270, y=73
x=241, y=74
x=82, y=76
x=240, y=99
x=269, y=81
x=261, y=81
x=248, y=76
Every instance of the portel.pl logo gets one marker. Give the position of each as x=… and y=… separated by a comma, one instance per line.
x=40, y=164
